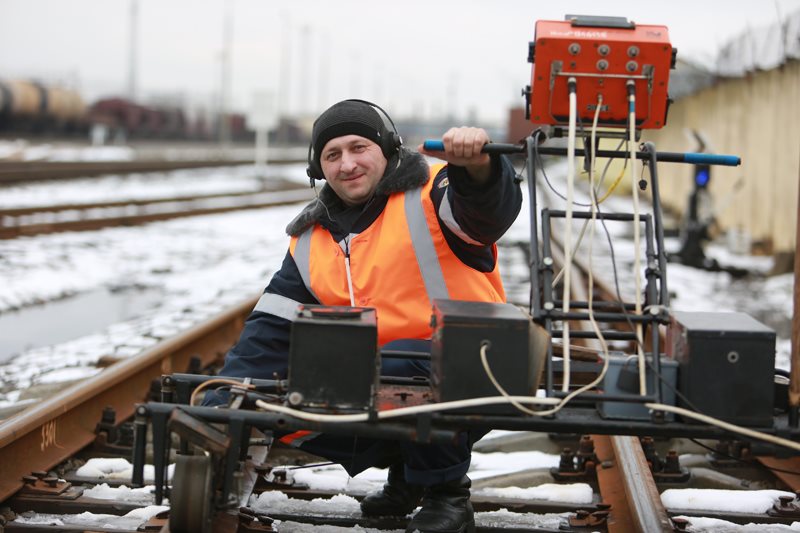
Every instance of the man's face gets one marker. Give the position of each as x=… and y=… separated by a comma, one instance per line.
x=352, y=165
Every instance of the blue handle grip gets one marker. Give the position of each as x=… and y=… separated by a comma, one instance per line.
x=712, y=159
x=433, y=146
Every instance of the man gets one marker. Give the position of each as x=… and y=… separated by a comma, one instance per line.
x=388, y=232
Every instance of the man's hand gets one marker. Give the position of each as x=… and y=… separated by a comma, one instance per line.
x=462, y=147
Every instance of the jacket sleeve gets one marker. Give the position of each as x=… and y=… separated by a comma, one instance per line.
x=473, y=217
x=262, y=351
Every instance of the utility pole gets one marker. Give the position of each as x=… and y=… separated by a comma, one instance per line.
x=225, y=75
x=133, y=48
x=285, y=80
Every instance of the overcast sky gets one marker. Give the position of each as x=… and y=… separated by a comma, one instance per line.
x=425, y=56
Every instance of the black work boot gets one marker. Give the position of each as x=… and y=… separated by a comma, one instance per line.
x=445, y=508
x=397, y=498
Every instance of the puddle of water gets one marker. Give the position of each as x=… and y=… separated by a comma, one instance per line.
x=69, y=318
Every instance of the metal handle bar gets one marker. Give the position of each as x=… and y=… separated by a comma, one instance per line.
x=667, y=157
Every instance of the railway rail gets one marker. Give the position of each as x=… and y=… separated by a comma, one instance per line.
x=15, y=172
x=30, y=221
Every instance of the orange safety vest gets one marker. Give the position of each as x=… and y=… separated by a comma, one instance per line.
x=398, y=265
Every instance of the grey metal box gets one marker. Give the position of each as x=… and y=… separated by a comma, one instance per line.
x=617, y=364
x=333, y=357
x=516, y=352
x=727, y=365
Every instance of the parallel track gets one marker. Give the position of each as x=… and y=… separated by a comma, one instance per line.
x=31, y=171
x=30, y=221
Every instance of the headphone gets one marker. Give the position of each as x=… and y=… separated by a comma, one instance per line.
x=389, y=143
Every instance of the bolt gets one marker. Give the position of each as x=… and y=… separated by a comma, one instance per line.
x=672, y=462
x=567, y=462
x=109, y=416
x=785, y=500
x=30, y=480
x=586, y=445
x=601, y=515
x=39, y=473
x=603, y=506
x=295, y=398
x=51, y=481
x=607, y=464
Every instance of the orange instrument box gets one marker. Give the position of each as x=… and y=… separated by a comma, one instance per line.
x=602, y=54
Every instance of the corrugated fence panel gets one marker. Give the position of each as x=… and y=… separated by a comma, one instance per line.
x=757, y=118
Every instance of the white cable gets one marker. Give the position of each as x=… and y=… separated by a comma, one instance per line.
x=573, y=111
x=347, y=272
x=593, y=203
x=403, y=411
x=724, y=425
x=636, y=240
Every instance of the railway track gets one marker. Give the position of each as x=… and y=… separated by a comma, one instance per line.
x=31, y=171
x=30, y=221
x=42, y=447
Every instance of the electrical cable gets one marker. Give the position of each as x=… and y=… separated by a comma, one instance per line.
x=733, y=428
x=636, y=232
x=216, y=381
x=573, y=111
x=403, y=411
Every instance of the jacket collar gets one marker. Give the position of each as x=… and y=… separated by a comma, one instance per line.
x=407, y=170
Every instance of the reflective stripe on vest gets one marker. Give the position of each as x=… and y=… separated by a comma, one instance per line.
x=275, y=304
x=421, y=239
x=382, y=259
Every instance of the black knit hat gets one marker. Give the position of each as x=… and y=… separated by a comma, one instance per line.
x=351, y=117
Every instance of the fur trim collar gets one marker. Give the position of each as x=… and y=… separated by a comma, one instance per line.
x=406, y=172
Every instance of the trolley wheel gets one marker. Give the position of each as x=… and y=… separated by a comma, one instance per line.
x=191, y=496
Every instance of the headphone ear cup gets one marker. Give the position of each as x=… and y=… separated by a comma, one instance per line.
x=314, y=171
x=391, y=144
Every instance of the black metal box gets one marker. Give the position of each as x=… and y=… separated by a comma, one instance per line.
x=515, y=353
x=333, y=357
x=726, y=365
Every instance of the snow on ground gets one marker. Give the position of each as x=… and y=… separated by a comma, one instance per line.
x=147, y=186
x=345, y=506
x=732, y=501
x=709, y=525
x=129, y=521
x=117, y=468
